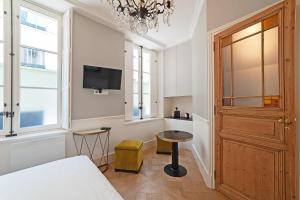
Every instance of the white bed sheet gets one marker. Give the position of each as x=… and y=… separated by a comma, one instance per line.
x=74, y=178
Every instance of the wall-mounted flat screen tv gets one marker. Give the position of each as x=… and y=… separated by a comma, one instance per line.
x=101, y=78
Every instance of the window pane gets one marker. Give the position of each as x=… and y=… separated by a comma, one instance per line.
x=1, y=64
x=135, y=82
x=38, y=30
x=136, y=60
x=146, y=83
x=38, y=107
x=1, y=106
x=146, y=104
x=1, y=20
x=1, y=83
x=247, y=32
x=247, y=67
x=146, y=62
x=271, y=62
x=136, y=110
x=226, y=63
x=38, y=70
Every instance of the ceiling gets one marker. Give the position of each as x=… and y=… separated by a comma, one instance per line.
x=181, y=29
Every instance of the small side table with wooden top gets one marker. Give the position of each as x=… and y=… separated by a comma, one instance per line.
x=175, y=169
x=102, y=141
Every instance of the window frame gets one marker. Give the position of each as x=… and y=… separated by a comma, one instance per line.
x=150, y=80
x=6, y=67
x=129, y=71
x=16, y=73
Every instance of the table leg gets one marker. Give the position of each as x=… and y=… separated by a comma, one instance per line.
x=175, y=169
x=175, y=155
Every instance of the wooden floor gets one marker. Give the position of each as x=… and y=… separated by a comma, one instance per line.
x=153, y=184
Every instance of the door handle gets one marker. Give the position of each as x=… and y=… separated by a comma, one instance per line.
x=285, y=121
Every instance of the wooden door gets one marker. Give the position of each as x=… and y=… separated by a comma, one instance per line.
x=254, y=106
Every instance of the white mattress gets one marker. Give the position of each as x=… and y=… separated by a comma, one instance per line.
x=74, y=178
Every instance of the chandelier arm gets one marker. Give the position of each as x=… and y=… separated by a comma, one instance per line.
x=151, y=11
x=160, y=4
x=160, y=10
x=134, y=3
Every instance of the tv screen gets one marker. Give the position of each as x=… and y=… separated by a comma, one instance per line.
x=101, y=78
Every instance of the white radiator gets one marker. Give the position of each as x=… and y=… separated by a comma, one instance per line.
x=32, y=151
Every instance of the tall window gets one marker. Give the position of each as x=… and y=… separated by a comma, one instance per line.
x=140, y=84
x=38, y=70
x=30, y=94
x=3, y=62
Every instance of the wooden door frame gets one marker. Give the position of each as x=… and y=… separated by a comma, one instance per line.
x=211, y=91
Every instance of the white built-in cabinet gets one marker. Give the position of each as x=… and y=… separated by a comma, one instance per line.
x=178, y=71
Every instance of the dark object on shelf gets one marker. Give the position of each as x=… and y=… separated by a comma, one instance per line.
x=187, y=116
x=181, y=118
x=177, y=113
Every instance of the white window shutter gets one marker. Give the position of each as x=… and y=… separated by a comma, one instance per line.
x=128, y=81
x=154, y=84
x=66, y=69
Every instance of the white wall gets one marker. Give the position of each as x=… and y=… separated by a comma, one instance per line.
x=226, y=11
x=143, y=130
x=201, y=125
x=26, y=151
x=184, y=105
x=97, y=45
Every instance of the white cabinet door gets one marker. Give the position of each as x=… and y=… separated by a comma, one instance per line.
x=170, y=72
x=184, y=69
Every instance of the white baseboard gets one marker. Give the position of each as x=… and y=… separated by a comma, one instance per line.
x=207, y=177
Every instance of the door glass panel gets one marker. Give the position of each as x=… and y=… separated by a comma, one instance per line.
x=247, y=32
x=226, y=63
x=247, y=67
x=227, y=101
x=250, y=102
x=271, y=62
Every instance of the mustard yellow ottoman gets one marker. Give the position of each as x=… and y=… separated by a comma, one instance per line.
x=129, y=156
x=163, y=147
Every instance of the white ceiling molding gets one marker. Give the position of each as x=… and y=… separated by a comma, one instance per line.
x=105, y=19
x=191, y=31
x=181, y=30
x=199, y=7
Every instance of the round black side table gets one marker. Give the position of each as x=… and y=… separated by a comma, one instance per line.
x=175, y=169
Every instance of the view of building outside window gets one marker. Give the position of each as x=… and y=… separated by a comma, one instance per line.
x=38, y=69
x=143, y=95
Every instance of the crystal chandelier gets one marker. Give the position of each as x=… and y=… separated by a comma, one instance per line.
x=141, y=15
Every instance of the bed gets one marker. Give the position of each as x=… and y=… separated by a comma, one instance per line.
x=74, y=178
